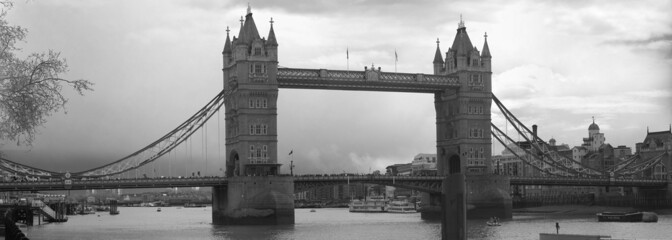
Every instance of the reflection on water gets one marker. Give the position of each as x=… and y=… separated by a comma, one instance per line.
x=195, y=223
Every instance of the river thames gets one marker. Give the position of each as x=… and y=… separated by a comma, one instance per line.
x=328, y=223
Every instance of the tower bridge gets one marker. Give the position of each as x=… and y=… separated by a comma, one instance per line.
x=427, y=184
x=461, y=83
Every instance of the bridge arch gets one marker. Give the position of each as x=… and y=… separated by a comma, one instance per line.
x=454, y=164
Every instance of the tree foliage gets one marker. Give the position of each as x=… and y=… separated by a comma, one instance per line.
x=30, y=87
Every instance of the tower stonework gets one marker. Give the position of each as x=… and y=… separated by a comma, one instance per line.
x=255, y=193
x=463, y=126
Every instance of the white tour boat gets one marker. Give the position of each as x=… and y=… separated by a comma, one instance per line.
x=401, y=206
x=370, y=204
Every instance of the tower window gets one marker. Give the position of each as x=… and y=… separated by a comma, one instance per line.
x=257, y=51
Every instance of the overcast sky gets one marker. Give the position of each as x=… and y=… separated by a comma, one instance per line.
x=154, y=63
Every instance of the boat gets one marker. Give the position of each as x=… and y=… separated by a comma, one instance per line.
x=627, y=217
x=401, y=206
x=370, y=204
x=158, y=209
x=619, y=217
x=193, y=205
x=312, y=210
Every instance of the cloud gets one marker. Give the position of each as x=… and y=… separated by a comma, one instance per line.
x=666, y=38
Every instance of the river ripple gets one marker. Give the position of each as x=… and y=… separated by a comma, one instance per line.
x=195, y=223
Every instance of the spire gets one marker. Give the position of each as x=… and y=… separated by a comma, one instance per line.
x=437, y=55
x=227, y=45
x=271, y=36
x=462, y=44
x=486, y=49
x=249, y=8
x=248, y=29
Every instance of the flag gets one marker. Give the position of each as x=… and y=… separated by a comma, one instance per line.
x=290, y=152
x=396, y=57
x=347, y=53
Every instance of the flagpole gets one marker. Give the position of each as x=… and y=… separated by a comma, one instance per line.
x=347, y=57
x=396, y=59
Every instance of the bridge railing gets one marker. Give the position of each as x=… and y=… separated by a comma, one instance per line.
x=365, y=177
x=315, y=78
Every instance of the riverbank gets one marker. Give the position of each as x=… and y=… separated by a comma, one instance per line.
x=582, y=210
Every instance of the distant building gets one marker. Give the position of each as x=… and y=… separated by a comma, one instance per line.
x=654, y=145
x=595, y=139
x=404, y=169
x=424, y=164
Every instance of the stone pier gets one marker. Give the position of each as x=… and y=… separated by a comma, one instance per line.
x=254, y=200
x=487, y=196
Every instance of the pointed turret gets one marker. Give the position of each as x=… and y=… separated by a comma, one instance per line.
x=272, y=44
x=437, y=56
x=462, y=44
x=248, y=31
x=486, y=49
x=438, y=60
x=271, y=36
x=227, y=44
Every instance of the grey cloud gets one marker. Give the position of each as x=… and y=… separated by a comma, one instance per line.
x=667, y=37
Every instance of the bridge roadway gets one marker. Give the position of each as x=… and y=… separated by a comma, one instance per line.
x=305, y=182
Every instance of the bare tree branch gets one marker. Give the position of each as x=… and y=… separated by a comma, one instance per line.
x=30, y=88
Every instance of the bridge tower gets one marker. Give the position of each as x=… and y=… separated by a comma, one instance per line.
x=255, y=194
x=463, y=126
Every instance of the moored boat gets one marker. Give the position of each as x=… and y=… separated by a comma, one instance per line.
x=193, y=205
x=401, y=207
x=619, y=217
x=370, y=204
x=627, y=217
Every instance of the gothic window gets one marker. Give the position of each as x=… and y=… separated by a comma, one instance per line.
x=264, y=103
x=251, y=103
x=264, y=129
x=264, y=151
x=257, y=129
x=258, y=103
x=251, y=150
x=476, y=80
x=257, y=51
x=252, y=127
x=257, y=68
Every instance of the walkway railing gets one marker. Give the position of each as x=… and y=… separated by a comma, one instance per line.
x=370, y=80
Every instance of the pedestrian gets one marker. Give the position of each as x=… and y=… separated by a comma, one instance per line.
x=557, y=228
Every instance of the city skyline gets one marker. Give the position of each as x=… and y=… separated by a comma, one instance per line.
x=154, y=64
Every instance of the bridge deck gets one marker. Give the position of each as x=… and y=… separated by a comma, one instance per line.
x=423, y=183
x=363, y=80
